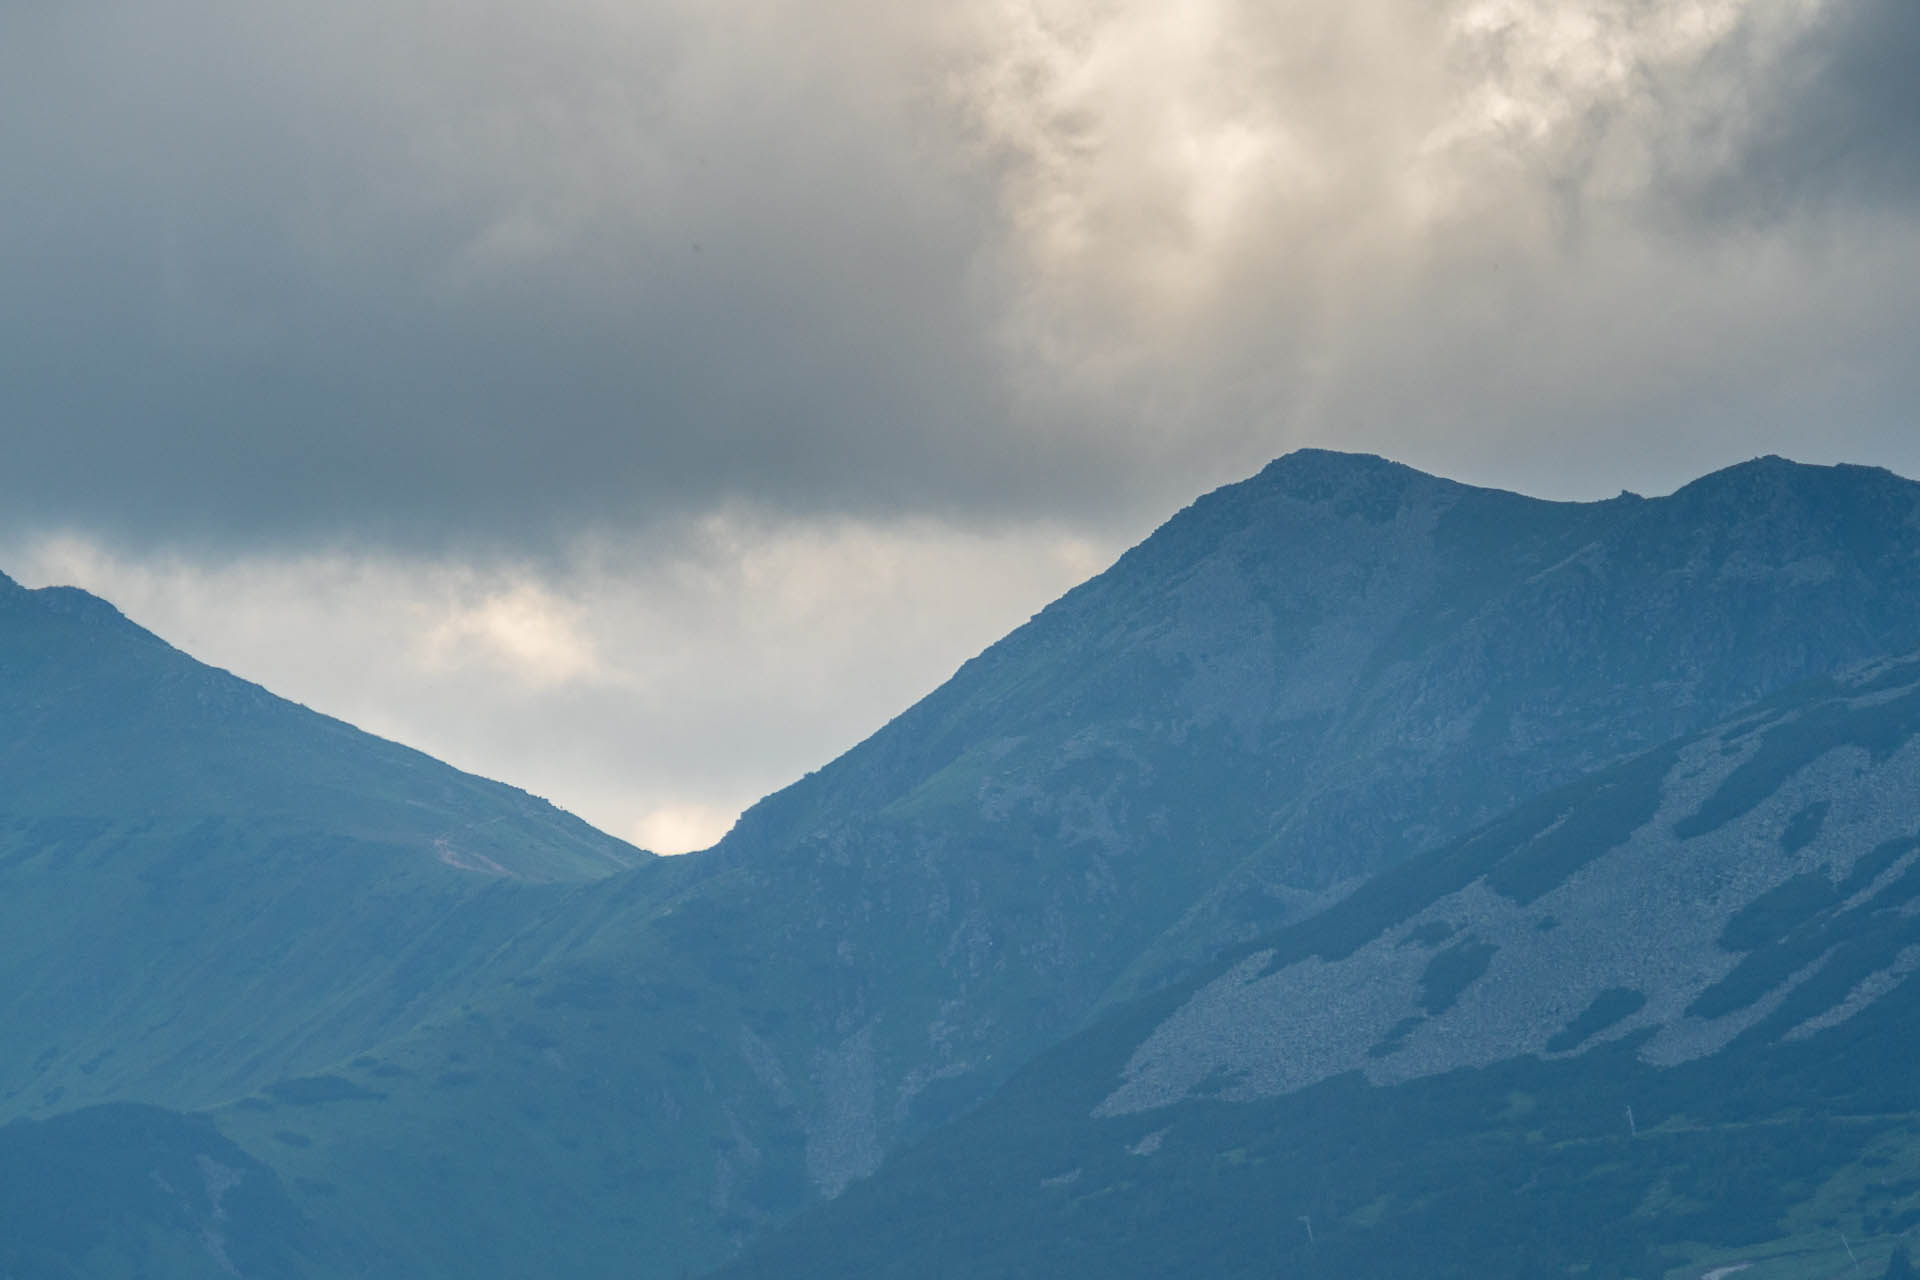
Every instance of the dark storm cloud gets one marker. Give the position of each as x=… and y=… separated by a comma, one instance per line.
x=1843, y=127
x=424, y=274
x=266, y=277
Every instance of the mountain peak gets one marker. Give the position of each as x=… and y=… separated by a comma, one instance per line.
x=1781, y=509
x=1768, y=468
x=1361, y=484
x=37, y=616
x=1314, y=468
x=83, y=606
x=1773, y=473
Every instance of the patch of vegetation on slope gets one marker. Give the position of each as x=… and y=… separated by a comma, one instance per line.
x=1795, y=741
x=562, y=1124
x=1607, y=1008
x=134, y=1191
x=1452, y=971
x=185, y=962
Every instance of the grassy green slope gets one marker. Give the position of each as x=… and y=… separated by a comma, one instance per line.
x=100, y=719
x=204, y=888
x=133, y=1192
x=581, y=1122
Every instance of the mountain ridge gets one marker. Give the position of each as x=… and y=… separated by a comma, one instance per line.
x=1081, y=814
x=175, y=842
x=76, y=625
x=1301, y=682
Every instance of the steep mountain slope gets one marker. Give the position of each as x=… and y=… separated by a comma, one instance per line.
x=1341, y=661
x=1656, y=1021
x=1296, y=682
x=204, y=887
x=126, y=1190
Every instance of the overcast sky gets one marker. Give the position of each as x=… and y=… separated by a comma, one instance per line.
x=641, y=400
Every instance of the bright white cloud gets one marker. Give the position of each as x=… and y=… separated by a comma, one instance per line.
x=522, y=631
x=656, y=691
x=1165, y=164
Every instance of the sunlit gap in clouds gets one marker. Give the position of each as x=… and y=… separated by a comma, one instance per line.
x=1153, y=155
x=654, y=688
x=1492, y=237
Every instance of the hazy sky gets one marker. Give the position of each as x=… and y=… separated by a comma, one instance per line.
x=641, y=400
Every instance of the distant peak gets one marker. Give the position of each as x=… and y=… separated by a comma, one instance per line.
x=1773, y=474
x=73, y=605
x=73, y=602
x=1316, y=471
x=1767, y=464
x=1772, y=464
x=69, y=601
x=1357, y=482
x=1332, y=462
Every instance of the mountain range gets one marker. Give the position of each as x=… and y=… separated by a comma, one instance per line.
x=1359, y=841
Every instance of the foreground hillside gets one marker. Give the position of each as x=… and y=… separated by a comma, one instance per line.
x=494, y=1059
x=204, y=888
x=1653, y=1023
